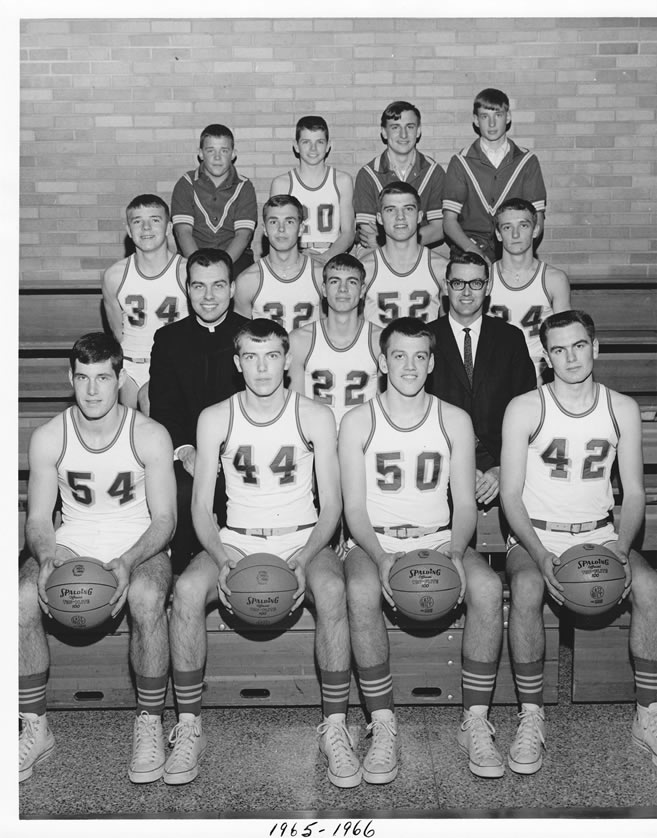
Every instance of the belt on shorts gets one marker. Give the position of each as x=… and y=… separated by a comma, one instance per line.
x=573, y=529
x=136, y=360
x=314, y=245
x=263, y=532
x=408, y=531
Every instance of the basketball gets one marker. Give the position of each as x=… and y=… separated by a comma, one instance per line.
x=592, y=577
x=79, y=592
x=425, y=584
x=262, y=589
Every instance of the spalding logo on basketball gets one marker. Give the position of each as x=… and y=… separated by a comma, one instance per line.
x=262, y=589
x=79, y=592
x=425, y=585
x=593, y=578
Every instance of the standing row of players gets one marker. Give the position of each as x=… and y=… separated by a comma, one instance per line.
x=398, y=454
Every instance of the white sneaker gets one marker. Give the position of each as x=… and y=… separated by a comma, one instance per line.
x=35, y=743
x=147, y=763
x=337, y=746
x=526, y=751
x=644, y=729
x=189, y=744
x=380, y=764
x=476, y=738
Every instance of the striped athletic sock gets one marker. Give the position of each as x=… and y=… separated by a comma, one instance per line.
x=376, y=685
x=32, y=693
x=645, y=681
x=151, y=693
x=335, y=691
x=188, y=689
x=478, y=680
x=529, y=682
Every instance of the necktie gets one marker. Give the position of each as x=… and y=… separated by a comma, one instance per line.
x=467, y=355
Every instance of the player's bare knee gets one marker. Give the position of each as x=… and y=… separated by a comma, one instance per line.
x=146, y=600
x=485, y=595
x=188, y=594
x=29, y=612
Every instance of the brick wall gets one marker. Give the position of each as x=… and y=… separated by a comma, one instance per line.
x=112, y=108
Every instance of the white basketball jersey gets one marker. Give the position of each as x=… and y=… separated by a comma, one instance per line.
x=407, y=469
x=569, y=461
x=102, y=490
x=340, y=378
x=290, y=302
x=268, y=468
x=525, y=307
x=390, y=295
x=149, y=302
x=321, y=209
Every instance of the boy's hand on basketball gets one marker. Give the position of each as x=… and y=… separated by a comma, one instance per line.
x=223, y=591
x=384, y=563
x=625, y=559
x=299, y=568
x=122, y=573
x=547, y=564
x=487, y=485
x=45, y=569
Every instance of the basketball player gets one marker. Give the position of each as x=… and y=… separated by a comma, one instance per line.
x=326, y=193
x=404, y=278
x=401, y=129
x=398, y=454
x=334, y=360
x=143, y=292
x=524, y=291
x=284, y=285
x=269, y=439
x=113, y=468
x=559, y=446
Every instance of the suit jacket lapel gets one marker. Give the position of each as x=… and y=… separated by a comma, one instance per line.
x=484, y=352
x=448, y=347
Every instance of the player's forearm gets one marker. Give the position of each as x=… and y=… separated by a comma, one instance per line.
x=521, y=526
x=322, y=533
x=458, y=236
x=154, y=540
x=238, y=244
x=40, y=538
x=464, y=523
x=340, y=245
x=185, y=239
x=632, y=515
x=363, y=534
x=207, y=533
x=431, y=233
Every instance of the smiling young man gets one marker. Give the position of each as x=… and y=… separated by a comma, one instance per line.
x=325, y=193
x=112, y=468
x=143, y=292
x=214, y=206
x=479, y=179
x=524, y=291
x=334, y=360
x=403, y=277
x=192, y=368
x=271, y=441
x=398, y=455
x=401, y=129
x=559, y=447
x=284, y=285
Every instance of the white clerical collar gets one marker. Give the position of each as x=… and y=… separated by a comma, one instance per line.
x=210, y=326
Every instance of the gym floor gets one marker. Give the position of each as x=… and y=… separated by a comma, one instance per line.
x=264, y=763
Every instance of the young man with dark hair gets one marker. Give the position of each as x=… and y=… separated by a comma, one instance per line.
x=143, y=292
x=325, y=193
x=214, y=206
x=401, y=129
x=558, y=450
x=479, y=179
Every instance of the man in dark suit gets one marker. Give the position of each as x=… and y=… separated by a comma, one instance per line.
x=191, y=368
x=481, y=363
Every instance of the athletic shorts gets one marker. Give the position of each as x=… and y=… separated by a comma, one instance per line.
x=283, y=546
x=104, y=544
x=559, y=542
x=392, y=544
x=138, y=372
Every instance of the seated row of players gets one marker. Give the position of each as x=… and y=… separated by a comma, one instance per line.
x=398, y=453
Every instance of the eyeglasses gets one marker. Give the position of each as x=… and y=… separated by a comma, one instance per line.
x=473, y=284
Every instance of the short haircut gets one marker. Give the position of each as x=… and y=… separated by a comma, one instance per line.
x=566, y=318
x=311, y=123
x=490, y=98
x=207, y=256
x=516, y=204
x=466, y=257
x=261, y=329
x=216, y=130
x=398, y=187
x=96, y=347
x=411, y=327
x=148, y=200
x=343, y=261
x=396, y=109
x=283, y=201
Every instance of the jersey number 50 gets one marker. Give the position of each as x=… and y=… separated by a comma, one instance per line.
x=391, y=479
